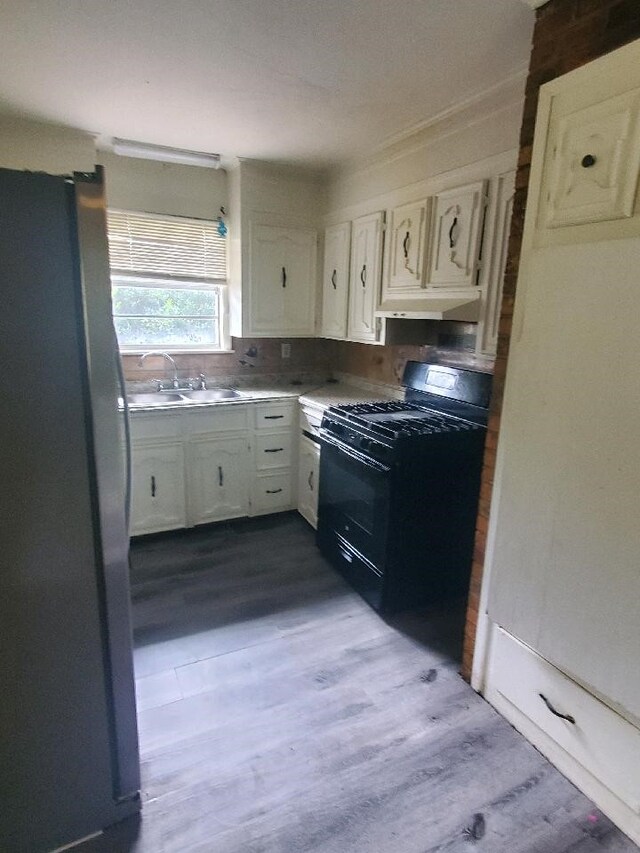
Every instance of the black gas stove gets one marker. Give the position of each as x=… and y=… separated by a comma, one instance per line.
x=399, y=484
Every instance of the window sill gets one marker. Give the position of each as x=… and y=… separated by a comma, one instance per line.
x=175, y=351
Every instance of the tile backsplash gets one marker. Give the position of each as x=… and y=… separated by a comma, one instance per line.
x=250, y=357
x=450, y=343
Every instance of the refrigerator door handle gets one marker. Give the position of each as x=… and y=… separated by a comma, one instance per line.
x=127, y=431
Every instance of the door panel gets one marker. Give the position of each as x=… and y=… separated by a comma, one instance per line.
x=366, y=254
x=457, y=230
x=335, y=280
x=218, y=479
x=158, y=495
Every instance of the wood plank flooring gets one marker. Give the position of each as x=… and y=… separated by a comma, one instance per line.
x=279, y=714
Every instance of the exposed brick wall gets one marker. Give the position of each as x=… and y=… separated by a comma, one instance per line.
x=567, y=34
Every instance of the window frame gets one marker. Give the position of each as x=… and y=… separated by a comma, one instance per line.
x=124, y=278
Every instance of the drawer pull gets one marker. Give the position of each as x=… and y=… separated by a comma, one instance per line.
x=273, y=417
x=555, y=713
x=273, y=449
x=273, y=491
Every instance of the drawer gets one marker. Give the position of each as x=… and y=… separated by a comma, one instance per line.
x=310, y=419
x=273, y=415
x=271, y=493
x=231, y=419
x=602, y=741
x=273, y=450
x=155, y=425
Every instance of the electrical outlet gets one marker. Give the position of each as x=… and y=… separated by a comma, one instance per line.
x=285, y=350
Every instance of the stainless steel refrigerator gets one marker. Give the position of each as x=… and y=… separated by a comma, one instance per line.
x=69, y=760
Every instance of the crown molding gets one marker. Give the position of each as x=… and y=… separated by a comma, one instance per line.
x=510, y=87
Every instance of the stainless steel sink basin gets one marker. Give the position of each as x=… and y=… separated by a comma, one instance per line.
x=155, y=398
x=162, y=398
x=211, y=394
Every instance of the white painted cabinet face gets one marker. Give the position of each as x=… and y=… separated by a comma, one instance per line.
x=366, y=255
x=308, y=476
x=283, y=281
x=456, y=234
x=496, y=256
x=592, y=161
x=158, y=494
x=335, y=281
x=218, y=479
x=406, y=247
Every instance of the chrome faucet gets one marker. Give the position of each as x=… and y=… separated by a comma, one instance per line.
x=175, y=383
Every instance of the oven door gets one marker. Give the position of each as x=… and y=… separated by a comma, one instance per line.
x=354, y=504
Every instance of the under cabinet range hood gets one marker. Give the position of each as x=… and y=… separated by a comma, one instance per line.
x=466, y=308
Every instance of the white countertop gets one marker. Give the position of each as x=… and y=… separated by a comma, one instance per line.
x=314, y=395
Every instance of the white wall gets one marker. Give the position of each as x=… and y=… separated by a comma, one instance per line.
x=135, y=184
x=41, y=147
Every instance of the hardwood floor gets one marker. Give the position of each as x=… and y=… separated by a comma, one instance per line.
x=279, y=714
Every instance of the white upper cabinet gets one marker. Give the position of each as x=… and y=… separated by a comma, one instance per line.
x=406, y=245
x=456, y=236
x=282, y=291
x=495, y=255
x=366, y=256
x=335, y=281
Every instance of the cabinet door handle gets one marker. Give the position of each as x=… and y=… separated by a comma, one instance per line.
x=220, y=476
x=452, y=239
x=273, y=417
x=284, y=276
x=310, y=480
x=405, y=246
x=273, y=491
x=273, y=449
x=555, y=713
x=153, y=486
x=363, y=275
x=333, y=279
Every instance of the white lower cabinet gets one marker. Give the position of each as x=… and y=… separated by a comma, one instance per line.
x=212, y=464
x=308, y=477
x=218, y=477
x=158, y=487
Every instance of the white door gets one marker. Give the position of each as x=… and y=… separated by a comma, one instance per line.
x=157, y=495
x=218, y=471
x=335, y=280
x=282, y=281
x=308, y=474
x=407, y=249
x=566, y=537
x=366, y=256
x=456, y=236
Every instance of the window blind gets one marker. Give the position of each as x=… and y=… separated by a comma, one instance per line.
x=169, y=247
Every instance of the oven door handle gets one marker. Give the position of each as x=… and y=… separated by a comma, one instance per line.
x=373, y=464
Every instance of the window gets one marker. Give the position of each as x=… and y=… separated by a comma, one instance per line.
x=168, y=280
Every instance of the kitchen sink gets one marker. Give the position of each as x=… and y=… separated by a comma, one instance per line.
x=155, y=398
x=211, y=394
x=162, y=398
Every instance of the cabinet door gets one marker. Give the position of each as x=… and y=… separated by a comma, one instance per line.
x=308, y=473
x=282, y=286
x=406, y=247
x=158, y=497
x=335, y=280
x=488, y=332
x=366, y=254
x=218, y=479
x=456, y=236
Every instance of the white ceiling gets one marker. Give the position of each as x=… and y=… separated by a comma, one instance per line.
x=309, y=81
